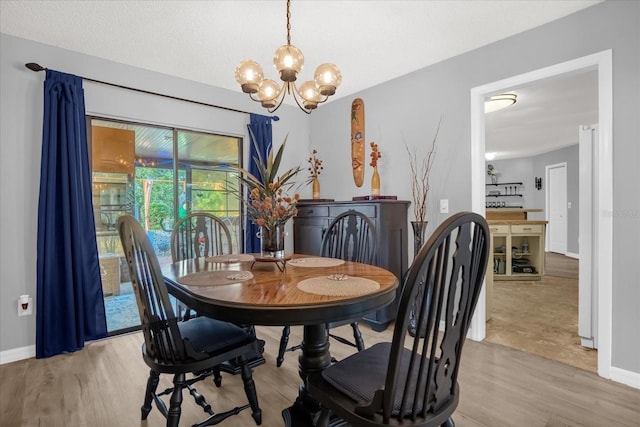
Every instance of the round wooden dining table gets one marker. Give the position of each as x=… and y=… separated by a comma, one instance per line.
x=308, y=291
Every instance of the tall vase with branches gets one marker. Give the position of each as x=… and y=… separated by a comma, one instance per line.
x=420, y=171
x=420, y=168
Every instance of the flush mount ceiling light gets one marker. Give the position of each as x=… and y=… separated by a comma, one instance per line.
x=498, y=102
x=288, y=60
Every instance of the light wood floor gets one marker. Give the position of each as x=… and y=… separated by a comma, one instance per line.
x=103, y=385
x=541, y=317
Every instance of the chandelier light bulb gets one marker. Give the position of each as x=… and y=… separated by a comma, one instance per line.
x=310, y=95
x=249, y=74
x=268, y=93
x=327, y=78
x=289, y=61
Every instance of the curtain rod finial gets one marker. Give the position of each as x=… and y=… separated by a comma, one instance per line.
x=34, y=67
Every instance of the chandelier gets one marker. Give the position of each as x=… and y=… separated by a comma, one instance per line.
x=288, y=60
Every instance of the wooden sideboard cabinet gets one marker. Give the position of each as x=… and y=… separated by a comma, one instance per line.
x=390, y=220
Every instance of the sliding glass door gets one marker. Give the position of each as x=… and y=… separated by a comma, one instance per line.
x=158, y=175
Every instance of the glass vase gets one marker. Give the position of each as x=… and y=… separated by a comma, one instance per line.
x=375, y=182
x=272, y=241
x=419, y=228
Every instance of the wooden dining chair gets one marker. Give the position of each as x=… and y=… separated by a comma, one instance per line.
x=388, y=384
x=196, y=346
x=202, y=235
x=351, y=236
x=198, y=235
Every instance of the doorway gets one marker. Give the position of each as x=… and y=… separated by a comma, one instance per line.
x=556, y=207
x=602, y=227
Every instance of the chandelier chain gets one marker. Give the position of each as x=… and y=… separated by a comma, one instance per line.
x=288, y=23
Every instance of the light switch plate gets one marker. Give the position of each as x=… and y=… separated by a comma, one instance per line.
x=444, y=205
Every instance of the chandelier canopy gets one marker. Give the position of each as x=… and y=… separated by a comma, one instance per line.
x=289, y=61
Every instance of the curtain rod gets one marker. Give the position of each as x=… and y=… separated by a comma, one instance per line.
x=36, y=67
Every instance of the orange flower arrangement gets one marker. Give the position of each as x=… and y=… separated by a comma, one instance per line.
x=315, y=164
x=270, y=211
x=375, y=154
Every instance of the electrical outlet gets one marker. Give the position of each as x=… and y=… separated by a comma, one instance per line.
x=444, y=205
x=25, y=306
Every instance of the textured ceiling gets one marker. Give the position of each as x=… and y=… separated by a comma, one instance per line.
x=371, y=41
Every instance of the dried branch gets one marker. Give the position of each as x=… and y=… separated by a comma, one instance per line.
x=420, y=171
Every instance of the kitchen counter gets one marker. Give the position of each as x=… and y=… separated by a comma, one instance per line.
x=509, y=213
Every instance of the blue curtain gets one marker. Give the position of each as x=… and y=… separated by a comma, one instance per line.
x=262, y=138
x=70, y=305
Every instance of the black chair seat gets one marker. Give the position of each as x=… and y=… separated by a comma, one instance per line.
x=360, y=375
x=199, y=331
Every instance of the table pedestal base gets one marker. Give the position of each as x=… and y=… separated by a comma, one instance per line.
x=313, y=359
x=297, y=416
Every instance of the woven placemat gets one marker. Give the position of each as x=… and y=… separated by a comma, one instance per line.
x=348, y=286
x=215, y=278
x=230, y=258
x=316, y=262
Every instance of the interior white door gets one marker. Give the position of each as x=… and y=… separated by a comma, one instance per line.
x=557, y=207
x=587, y=276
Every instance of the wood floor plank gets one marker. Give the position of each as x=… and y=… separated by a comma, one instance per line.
x=103, y=385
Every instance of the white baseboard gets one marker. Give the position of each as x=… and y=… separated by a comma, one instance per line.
x=573, y=255
x=632, y=379
x=19, y=353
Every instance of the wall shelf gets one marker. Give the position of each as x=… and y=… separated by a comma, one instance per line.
x=505, y=183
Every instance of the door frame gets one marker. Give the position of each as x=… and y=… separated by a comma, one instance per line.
x=603, y=187
x=547, y=203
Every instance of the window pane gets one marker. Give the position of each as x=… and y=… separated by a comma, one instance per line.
x=134, y=173
x=207, y=187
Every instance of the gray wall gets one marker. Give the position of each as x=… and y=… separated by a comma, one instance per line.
x=408, y=109
x=404, y=110
x=21, y=114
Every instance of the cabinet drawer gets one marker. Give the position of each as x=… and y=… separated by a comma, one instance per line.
x=313, y=211
x=499, y=229
x=368, y=210
x=526, y=228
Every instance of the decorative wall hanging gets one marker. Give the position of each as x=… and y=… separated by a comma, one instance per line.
x=357, y=141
